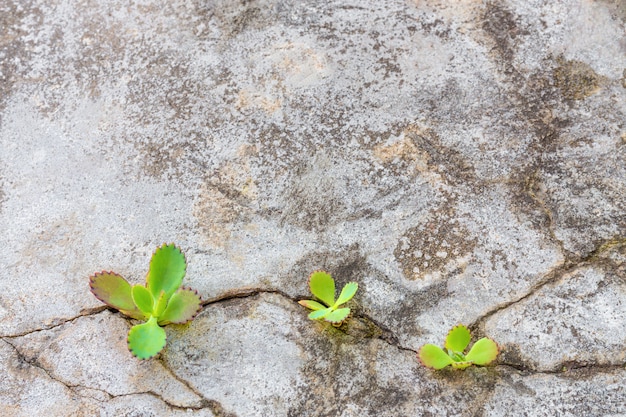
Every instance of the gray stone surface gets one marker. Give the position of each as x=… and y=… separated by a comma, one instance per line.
x=582, y=393
x=464, y=161
x=578, y=319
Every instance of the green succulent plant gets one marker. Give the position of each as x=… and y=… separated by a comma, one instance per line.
x=483, y=352
x=323, y=287
x=161, y=301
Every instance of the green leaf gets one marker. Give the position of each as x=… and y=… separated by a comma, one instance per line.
x=338, y=315
x=147, y=339
x=323, y=287
x=113, y=290
x=461, y=365
x=434, y=357
x=160, y=305
x=182, y=307
x=456, y=356
x=313, y=305
x=143, y=299
x=320, y=314
x=483, y=352
x=347, y=293
x=458, y=338
x=167, y=269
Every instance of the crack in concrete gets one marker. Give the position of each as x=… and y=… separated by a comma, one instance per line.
x=215, y=406
x=563, y=367
x=245, y=293
x=568, y=266
x=60, y=322
x=74, y=388
x=391, y=339
x=228, y=295
x=477, y=327
x=567, y=369
x=35, y=364
x=386, y=335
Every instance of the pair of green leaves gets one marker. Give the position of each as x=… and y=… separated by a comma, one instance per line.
x=322, y=286
x=483, y=352
x=161, y=301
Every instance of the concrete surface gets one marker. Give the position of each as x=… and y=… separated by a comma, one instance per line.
x=464, y=161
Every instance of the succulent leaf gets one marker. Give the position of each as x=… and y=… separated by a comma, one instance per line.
x=143, y=299
x=113, y=290
x=160, y=305
x=147, y=339
x=458, y=338
x=434, y=357
x=461, y=365
x=347, y=293
x=456, y=356
x=160, y=301
x=323, y=287
x=182, y=307
x=483, y=352
x=313, y=305
x=338, y=315
x=136, y=314
x=167, y=269
x=320, y=314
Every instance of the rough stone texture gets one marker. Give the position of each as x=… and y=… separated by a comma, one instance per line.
x=578, y=319
x=594, y=393
x=464, y=161
x=302, y=369
x=28, y=388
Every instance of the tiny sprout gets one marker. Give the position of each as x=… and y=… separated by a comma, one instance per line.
x=323, y=287
x=161, y=301
x=483, y=352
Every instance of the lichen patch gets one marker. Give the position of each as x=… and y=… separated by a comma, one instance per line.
x=576, y=79
x=430, y=250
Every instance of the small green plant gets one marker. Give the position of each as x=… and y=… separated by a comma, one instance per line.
x=161, y=301
x=323, y=287
x=483, y=352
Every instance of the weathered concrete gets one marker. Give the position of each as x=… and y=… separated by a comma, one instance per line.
x=464, y=161
x=578, y=319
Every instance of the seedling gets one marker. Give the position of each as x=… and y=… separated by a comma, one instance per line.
x=323, y=287
x=483, y=352
x=161, y=301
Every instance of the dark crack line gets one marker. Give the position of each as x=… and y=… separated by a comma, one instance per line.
x=562, y=369
x=71, y=387
x=164, y=401
x=391, y=339
x=75, y=387
x=215, y=406
x=60, y=322
x=549, y=278
x=386, y=335
x=565, y=370
x=569, y=266
x=245, y=293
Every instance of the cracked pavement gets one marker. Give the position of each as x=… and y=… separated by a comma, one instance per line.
x=463, y=161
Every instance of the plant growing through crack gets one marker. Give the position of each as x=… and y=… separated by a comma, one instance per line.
x=161, y=301
x=483, y=352
x=322, y=286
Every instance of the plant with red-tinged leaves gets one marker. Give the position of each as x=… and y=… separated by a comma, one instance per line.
x=161, y=301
